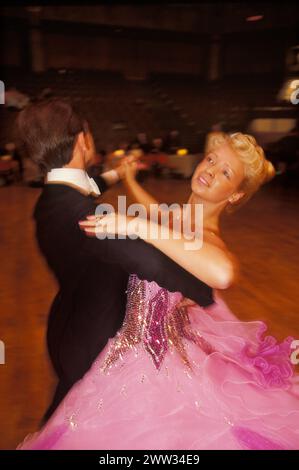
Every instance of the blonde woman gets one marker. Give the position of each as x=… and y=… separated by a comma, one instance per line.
x=177, y=375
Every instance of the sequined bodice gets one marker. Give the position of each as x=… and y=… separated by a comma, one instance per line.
x=156, y=319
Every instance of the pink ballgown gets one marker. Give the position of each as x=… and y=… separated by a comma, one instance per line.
x=177, y=377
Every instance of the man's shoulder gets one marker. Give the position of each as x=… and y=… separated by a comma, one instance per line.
x=62, y=199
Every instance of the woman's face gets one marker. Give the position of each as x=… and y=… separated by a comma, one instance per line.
x=218, y=176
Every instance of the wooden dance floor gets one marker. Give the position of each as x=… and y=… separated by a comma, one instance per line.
x=263, y=234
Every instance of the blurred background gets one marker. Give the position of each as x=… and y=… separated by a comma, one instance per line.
x=158, y=79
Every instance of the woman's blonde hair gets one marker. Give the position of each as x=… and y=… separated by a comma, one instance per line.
x=258, y=170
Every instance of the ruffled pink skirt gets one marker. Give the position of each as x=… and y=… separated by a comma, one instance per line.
x=243, y=394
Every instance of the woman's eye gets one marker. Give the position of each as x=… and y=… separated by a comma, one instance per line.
x=226, y=173
x=209, y=159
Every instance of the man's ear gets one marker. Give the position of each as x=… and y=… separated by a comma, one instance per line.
x=82, y=141
x=88, y=140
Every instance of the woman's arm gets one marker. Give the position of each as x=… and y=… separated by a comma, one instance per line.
x=211, y=264
x=138, y=193
x=135, y=190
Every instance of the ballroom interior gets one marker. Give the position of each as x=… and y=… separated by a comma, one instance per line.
x=158, y=78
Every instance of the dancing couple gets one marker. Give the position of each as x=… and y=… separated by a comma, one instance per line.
x=147, y=354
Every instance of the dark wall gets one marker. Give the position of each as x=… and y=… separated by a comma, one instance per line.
x=136, y=52
x=10, y=48
x=257, y=54
x=128, y=55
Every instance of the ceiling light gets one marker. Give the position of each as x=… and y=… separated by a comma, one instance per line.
x=255, y=18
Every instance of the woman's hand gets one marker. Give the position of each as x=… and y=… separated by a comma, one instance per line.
x=112, y=224
x=122, y=167
x=129, y=167
x=132, y=165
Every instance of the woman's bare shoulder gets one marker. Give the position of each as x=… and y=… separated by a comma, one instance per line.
x=216, y=240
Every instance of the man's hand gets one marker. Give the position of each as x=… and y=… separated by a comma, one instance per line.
x=125, y=162
x=185, y=302
x=129, y=167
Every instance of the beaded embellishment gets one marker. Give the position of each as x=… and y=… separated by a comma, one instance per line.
x=152, y=320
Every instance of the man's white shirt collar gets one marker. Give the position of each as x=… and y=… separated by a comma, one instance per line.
x=74, y=177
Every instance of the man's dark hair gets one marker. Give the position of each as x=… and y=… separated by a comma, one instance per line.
x=47, y=132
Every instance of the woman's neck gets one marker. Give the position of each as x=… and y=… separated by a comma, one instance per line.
x=211, y=213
